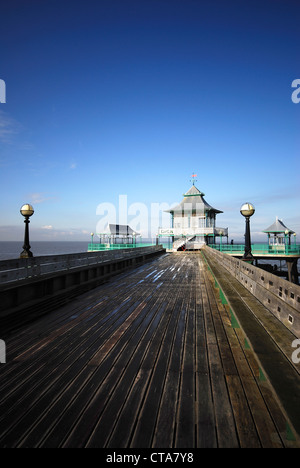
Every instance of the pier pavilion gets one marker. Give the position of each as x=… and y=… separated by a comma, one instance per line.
x=117, y=235
x=278, y=234
x=279, y=248
x=193, y=222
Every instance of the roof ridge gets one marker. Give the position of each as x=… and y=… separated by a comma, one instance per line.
x=193, y=191
x=278, y=226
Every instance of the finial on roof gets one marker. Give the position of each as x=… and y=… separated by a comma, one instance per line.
x=194, y=178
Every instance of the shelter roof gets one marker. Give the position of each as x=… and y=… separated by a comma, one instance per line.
x=278, y=226
x=121, y=229
x=194, y=202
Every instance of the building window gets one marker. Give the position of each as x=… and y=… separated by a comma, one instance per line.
x=201, y=222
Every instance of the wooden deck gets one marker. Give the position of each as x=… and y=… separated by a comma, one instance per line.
x=148, y=359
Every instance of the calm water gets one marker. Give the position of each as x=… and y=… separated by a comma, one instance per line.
x=10, y=250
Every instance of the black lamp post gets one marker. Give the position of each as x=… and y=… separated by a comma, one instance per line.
x=247, y=210
x=92, y=236
x=27, y=211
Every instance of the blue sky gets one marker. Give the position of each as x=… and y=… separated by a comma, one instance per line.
x=113, y=98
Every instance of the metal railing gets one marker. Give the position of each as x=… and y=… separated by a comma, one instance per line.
x=20, y=269
x=193, y=231
x=258, y=249
x=94, y=247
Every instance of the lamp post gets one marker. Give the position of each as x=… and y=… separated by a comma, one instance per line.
x=287, y=240
x=247, y=210
x=27, y=211
x=92, y=236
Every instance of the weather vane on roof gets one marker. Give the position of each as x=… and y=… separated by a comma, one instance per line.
x=194, y=178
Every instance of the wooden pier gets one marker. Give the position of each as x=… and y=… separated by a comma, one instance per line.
x=152, y=358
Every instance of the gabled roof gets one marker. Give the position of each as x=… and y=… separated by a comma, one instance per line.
x=121, y=229
x=193, y=202
x=278, y=226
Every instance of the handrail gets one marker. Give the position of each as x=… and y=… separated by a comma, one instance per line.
x=20, y=269
x=259, y=249
x=94, y=247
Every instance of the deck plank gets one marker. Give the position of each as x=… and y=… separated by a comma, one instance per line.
x=147, y=359
x=185, y=431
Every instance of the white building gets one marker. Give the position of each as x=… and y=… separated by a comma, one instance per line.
x=193, y=223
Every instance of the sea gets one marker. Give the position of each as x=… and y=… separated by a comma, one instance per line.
x=11, y=250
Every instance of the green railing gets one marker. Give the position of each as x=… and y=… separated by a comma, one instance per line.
x=94, y=247
x=99, y=247
x=259, y=249
x=237, y=249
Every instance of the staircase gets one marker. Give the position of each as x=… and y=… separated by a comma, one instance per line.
x=179, y=243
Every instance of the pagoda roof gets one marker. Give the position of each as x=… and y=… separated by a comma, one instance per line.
x=278, y=226
x=193, y=201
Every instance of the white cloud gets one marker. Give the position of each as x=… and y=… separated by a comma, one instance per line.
x=8, y=128
x=36, y=198
x=39, y=197
x=48, y=227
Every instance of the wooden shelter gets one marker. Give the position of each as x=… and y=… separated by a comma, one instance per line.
x=279, y=234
